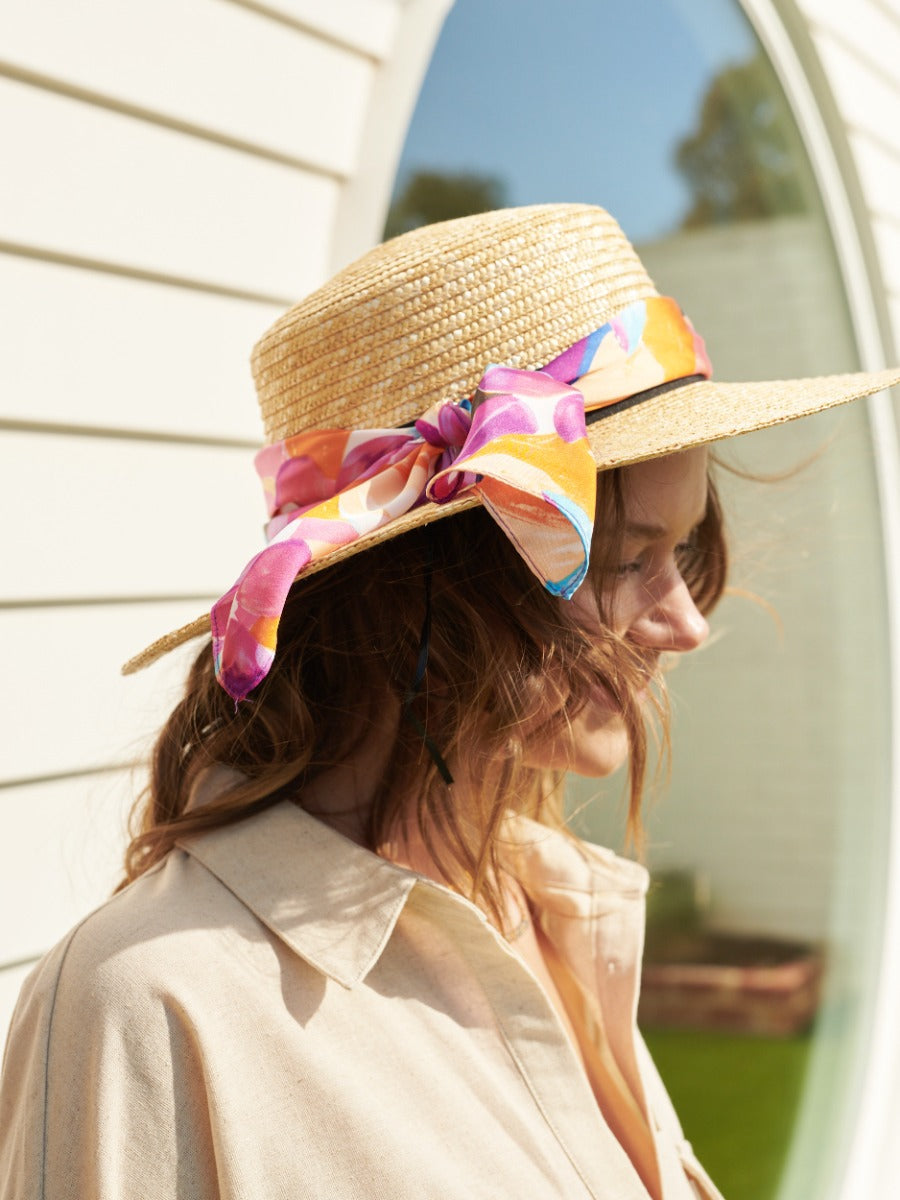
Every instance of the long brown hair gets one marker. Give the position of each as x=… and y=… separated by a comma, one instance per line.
x=503, y=659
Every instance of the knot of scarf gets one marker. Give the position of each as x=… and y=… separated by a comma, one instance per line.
x=519, y=443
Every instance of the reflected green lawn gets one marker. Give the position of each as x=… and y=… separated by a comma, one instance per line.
x=736, y=1098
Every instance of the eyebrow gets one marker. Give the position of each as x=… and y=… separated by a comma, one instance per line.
x=650, y=532
x=638, y=530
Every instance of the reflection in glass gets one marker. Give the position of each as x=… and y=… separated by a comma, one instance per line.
x=668, y=113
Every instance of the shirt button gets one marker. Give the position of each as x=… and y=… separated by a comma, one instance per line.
x=612, y=966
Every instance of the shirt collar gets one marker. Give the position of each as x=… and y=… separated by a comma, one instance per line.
x=333, y=902
x=336, y=904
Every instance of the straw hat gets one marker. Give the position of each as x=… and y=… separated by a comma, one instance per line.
x=418, y=319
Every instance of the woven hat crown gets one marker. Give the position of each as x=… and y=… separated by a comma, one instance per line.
x=419, y=318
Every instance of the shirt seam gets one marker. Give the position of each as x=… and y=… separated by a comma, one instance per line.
x=70, y=941
x=535, y=1095
x=45, y=1135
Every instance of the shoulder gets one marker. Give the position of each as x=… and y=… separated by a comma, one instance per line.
x=111, y=957
x=158, y=924
x=171, y=942
x=100, y=1025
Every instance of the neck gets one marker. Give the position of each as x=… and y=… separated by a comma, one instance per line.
x=342, y=796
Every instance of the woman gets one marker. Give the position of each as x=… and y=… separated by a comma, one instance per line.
x=358, y=955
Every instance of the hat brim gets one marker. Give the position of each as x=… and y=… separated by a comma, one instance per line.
x=677, y=419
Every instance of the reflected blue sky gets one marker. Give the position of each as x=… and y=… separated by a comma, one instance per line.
x=575, y=99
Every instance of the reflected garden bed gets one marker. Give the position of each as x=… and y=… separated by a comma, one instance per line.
x=731, y=983
x=698, y=978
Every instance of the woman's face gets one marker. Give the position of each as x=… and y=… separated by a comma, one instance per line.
x=648, y=602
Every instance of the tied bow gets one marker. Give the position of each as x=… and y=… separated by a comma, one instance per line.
x=519, y=444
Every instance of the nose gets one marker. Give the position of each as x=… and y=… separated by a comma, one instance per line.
x=671, y=621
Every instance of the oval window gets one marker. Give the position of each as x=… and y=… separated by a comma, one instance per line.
x=766, y=838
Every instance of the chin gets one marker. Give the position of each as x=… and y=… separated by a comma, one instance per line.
x=601, y=756
x=596, y=749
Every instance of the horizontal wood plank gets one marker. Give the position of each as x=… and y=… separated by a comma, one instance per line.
x=879, y=174
x=85, y=181
x=11, y=980
x=106, y=517
x=870, y=31
x=368, y=25
x=74, y=710
x=869, y=99
x=61, y=856
x=127, y=54
x=84, y=348
x=887, y=242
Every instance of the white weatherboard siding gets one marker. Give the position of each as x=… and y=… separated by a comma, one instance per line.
x=66, y=874
x=173, y=174
x=370, y=26
x=106, y=501
x=201, y=65
x=858, y=47
x=124, y=191
x=157, y=359
x=99, y=717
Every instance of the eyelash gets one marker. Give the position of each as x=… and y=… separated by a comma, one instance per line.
x=635, y=566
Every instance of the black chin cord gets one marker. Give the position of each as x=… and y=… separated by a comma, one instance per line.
x=419, y=676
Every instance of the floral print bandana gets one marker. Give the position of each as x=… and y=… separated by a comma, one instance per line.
x=519, y=443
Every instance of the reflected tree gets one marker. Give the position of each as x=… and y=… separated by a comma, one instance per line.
x=429, y=196
x=743, y=162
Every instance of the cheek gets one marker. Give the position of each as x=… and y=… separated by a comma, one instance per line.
x=584, y=610
x=595, y=743
x=621, y=602
x=624, y=605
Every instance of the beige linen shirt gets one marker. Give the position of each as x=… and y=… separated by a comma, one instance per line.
x=274, y=1012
